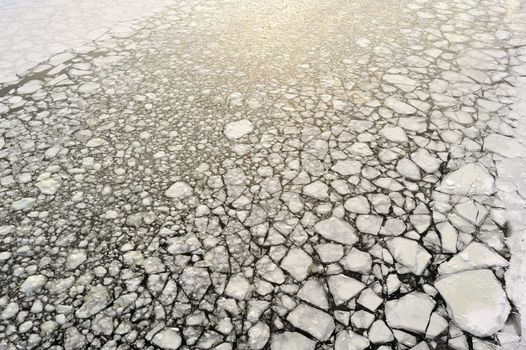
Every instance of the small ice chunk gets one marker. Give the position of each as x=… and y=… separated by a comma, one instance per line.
x=238, y=129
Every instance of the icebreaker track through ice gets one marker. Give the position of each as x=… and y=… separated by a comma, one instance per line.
x=278, y=174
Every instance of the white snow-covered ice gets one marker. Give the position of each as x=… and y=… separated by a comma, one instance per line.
x=34, y=30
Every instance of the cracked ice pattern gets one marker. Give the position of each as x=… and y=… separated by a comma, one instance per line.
x=251, y=175
x=34, y=30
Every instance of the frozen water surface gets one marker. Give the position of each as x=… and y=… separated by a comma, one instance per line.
x=262, y=175
x=33, y=30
